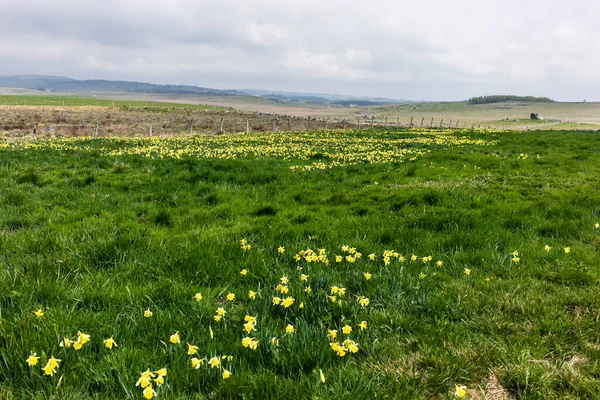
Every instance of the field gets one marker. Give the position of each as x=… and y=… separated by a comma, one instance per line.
x=513, y=116
x=385, y=263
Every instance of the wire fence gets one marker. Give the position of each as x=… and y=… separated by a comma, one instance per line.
x=209, y=125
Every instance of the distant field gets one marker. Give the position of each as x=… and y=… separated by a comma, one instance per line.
x=574, y=116
x=380, y=264
x=87, y=101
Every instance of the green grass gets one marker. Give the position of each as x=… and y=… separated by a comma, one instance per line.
x=96, y=239
x=51, y=100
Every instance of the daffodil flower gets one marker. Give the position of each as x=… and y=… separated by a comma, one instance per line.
x=109, y=343
x=32, y=359
x=174, y=338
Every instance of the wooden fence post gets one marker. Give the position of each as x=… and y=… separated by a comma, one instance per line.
x=150, y=132
x=308, y=125
x=221, y=128
x=327, y=123
x=274, y=125
x=358, y=123
x=289, y=126
x=457, y=124
x=96, y=132
x=450, y=124
x=422, y=119
x=247, y=126
x=344, y=124
x=441, y=122
x=372, y=122
x=431, y=124
x=398, y=121
x=35, y=132
x=191, y=127
x=410, y=125
x=386, y=122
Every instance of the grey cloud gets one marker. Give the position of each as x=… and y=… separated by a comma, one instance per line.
x=431, y=49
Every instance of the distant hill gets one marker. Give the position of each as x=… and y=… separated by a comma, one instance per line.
x=323, y=98
x=507, y=98
x=61, y=84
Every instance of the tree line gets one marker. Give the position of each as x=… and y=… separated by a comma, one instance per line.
x=507, y=98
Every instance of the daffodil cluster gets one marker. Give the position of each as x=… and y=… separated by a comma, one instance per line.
x=149, y=380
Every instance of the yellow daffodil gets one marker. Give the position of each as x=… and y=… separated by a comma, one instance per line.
x=347, y=329
x=82, y=337
x=362, y=325
x=439, y=263
x=516, y=259
x=231, y=296
x=288, y=301
x=149, y=392
x=221, y=311
x=226, y=373
x=212, y=335
x=192, y=349
x=39, y=313
x=175, y=338
x=214, y=362
x=290, y=329
x=460, y=391
x=301, y=305
x=338, y=259
x=367, y=275
x=198, y=296
x=515, y=253
x=372, y=256
x=414, y=257
x=307, y=289
x=364, y=301
x=145, y=379
x=332, y=334
x=422, y=276
x=281, y=249
x=147, y=313
x=547, y=248
x=567, y=250
x=251, y=295
x=159, y=380
x=244, y=272
x=467, y=271
x=282, y=288
x=196, y=362
x=276, y=300
x=51, y=366
x=303, y=278
x=109, y=343
x=66, y=342
x=32, y=359
x=321, y=376
x=217, y=318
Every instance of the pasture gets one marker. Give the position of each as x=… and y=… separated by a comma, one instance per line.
x=385, y=263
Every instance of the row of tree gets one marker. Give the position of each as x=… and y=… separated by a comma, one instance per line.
x=507, y=98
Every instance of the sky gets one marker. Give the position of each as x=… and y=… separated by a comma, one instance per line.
x=414, y=50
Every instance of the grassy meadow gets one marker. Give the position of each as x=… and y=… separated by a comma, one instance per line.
x=386, y=263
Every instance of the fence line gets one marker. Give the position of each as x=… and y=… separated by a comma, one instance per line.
x=218, y=126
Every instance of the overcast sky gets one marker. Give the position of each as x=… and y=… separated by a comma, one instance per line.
x=418, y=49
